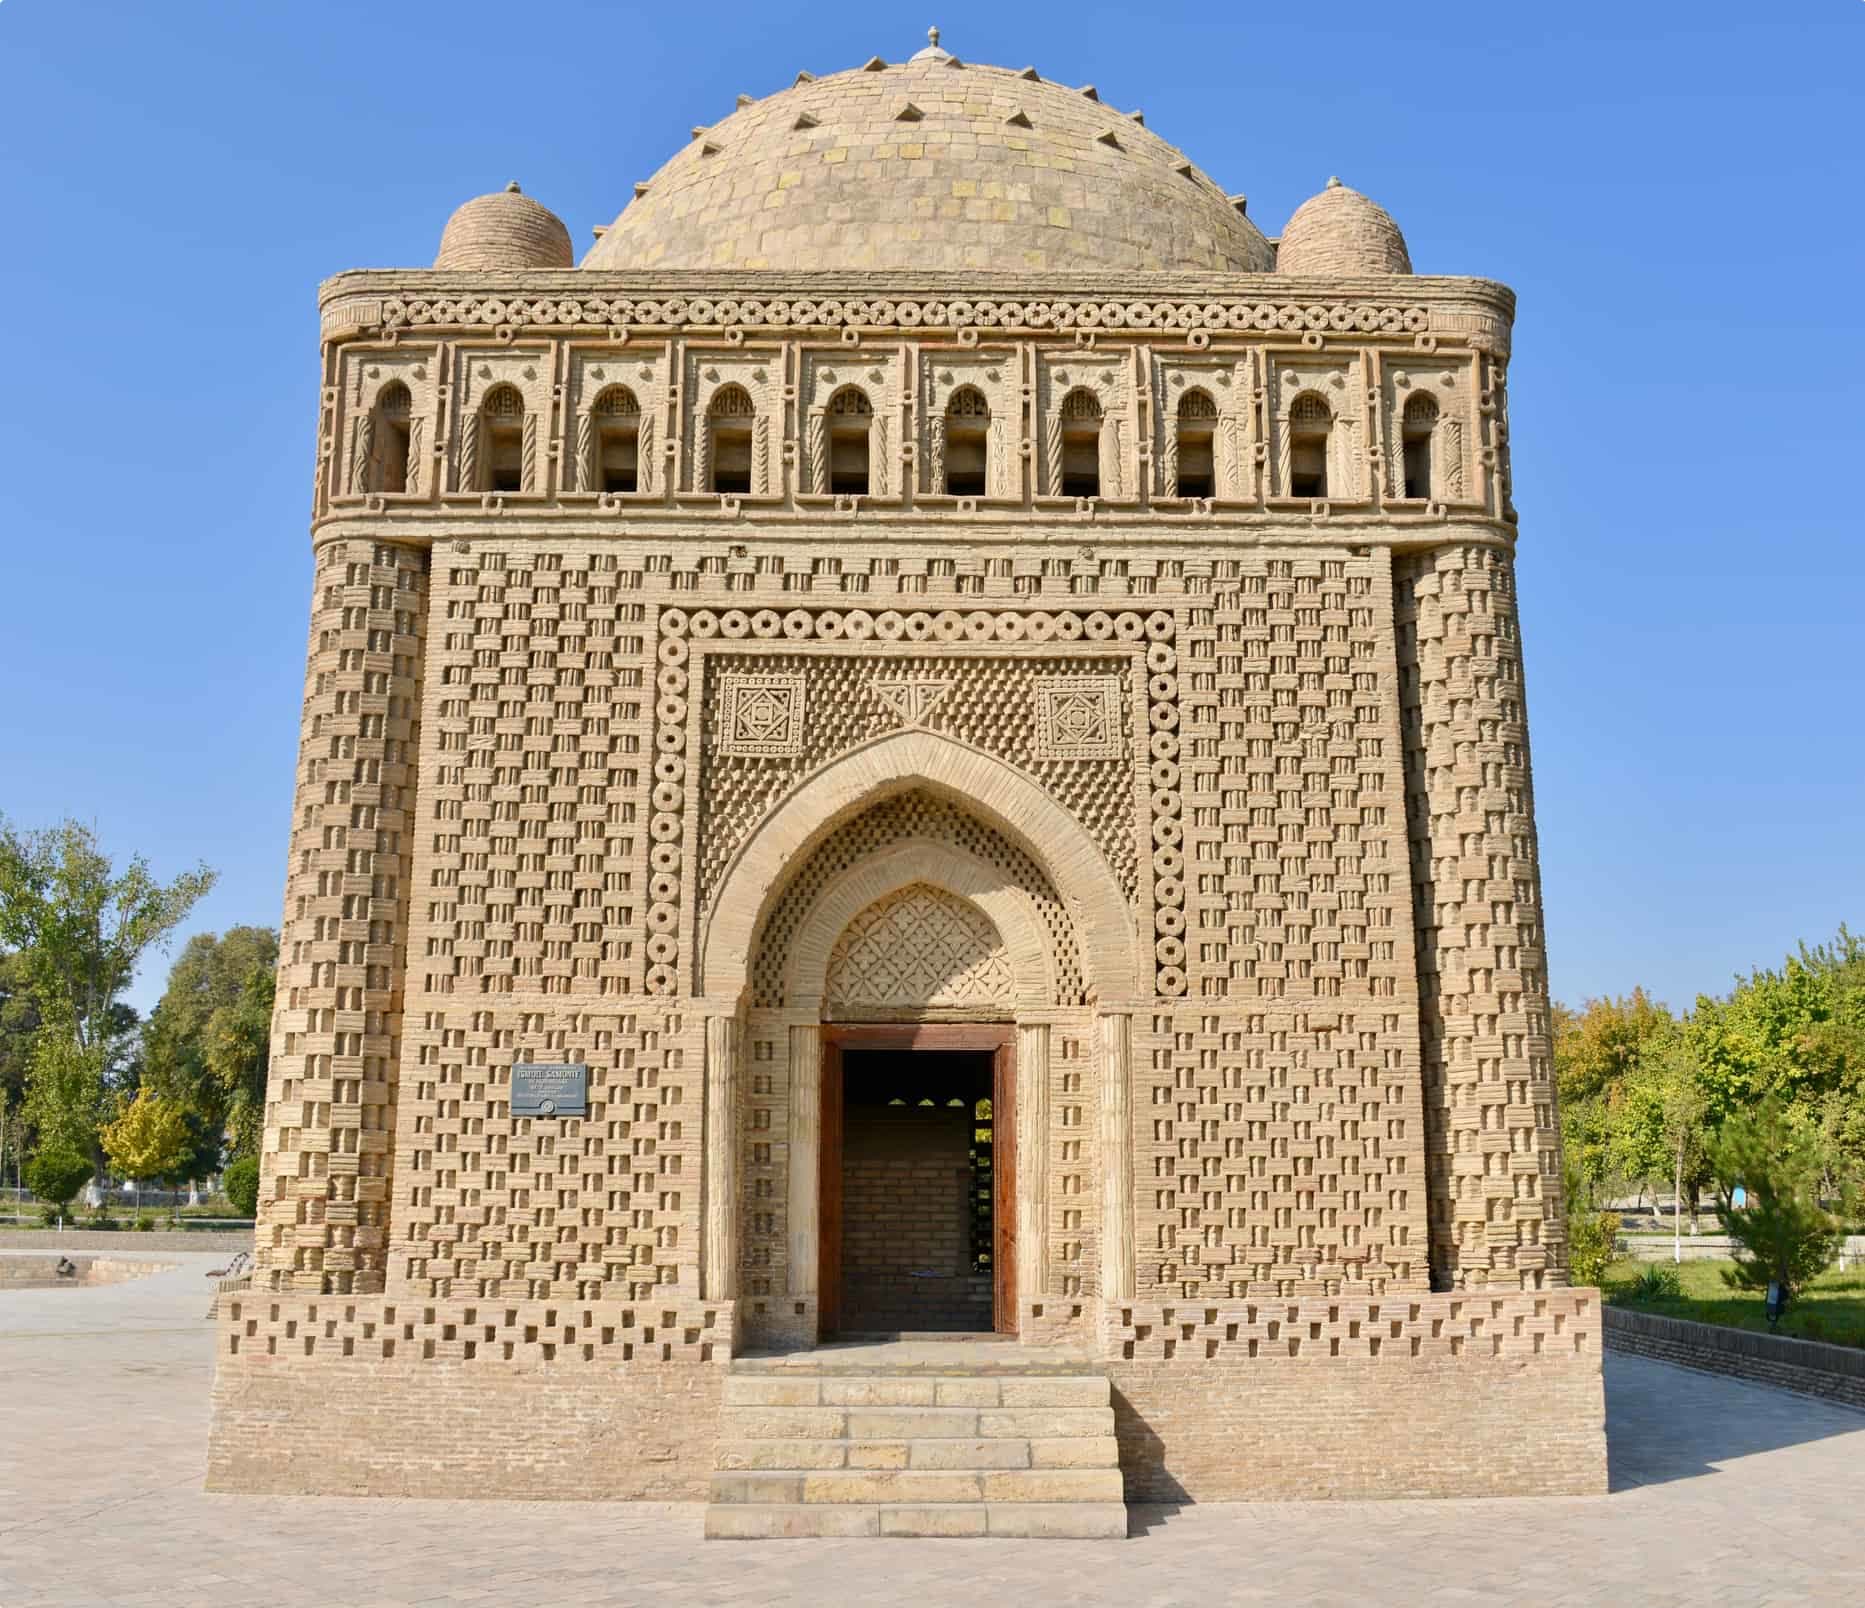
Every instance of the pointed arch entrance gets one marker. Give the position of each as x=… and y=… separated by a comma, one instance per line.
x=1015, y=920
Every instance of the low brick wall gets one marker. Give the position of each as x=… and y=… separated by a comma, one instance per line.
x=1337, y=1397
x=369, y=1396
x=41, y=1271
x=1836, y=1373
x=91, y=1239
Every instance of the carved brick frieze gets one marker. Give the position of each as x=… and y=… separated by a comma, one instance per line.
x=761, y=715
x=1210, y=315
x=1079, y=717
x=919, y=950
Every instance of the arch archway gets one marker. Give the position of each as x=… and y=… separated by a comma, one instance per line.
x=978, y=782
x=756, y=878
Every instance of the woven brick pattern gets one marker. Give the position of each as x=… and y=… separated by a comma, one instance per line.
x=1494, y=1139
x=330, y=1096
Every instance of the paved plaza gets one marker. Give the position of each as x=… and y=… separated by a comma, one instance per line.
x=1722, y=1493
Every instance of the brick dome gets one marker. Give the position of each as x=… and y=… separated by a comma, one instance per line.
x=931, y=164
x=506, y=229
x=1340, y=231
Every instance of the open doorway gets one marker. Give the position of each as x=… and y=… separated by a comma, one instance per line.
x=918, y=1202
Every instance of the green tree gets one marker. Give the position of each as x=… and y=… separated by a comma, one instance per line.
x=149, y=1140
x=54, y=1175
x=238, y=1041
x=19, y=1023
x=1596, y=1052
x=1783, y=1234
x=1591, y=1234
x=79, y=926
x=208, y=1035
x=65, y=1091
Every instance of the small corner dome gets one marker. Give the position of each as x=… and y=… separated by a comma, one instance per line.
x=504, y=230
x=1340, y=231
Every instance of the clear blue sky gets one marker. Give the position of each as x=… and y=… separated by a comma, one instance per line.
x=1673, y=189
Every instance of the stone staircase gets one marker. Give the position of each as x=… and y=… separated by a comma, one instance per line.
x=917, y=1439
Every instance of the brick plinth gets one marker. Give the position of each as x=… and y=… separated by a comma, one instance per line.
x=576, y=1400
x=1426, y=1396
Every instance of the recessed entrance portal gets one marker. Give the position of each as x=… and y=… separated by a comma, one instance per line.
x=918, y=1194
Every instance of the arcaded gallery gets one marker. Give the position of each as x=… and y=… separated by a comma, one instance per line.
x=912, y=901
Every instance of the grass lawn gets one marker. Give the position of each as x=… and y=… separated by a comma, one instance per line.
x=1832, y=1308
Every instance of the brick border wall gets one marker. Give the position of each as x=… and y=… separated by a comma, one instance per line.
x=1834, y=1373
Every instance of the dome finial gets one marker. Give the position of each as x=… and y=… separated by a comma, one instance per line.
x=1334, y=181
x=513, y=189
x=933, y=53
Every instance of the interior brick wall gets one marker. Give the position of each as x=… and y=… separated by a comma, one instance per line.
x=906, y=1173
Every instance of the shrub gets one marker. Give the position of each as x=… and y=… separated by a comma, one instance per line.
x=145, y=1223
x=56, y=1175
x=102, y=1218
x=241, y=1182
x=1659, y=1282
x=1590, y=1237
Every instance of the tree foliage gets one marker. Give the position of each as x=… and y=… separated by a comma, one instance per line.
x=149, y=1141
x=1598, y=1052
x=80, y=925
x=1783, y=1234
x=77, y=927
x=208, y=1034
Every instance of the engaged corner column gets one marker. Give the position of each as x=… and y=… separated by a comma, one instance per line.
x=1031, y=1116
x=805, y=1159
x=719, y=1255
x=1116, y=1155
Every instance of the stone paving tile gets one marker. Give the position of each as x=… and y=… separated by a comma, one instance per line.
x=1722, y=1493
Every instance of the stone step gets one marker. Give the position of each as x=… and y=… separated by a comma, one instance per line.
x=906, y=1390
x=917, y=1439
x=969, y=1360
x=913, y=1423
x=1075, y=1521
x=919, y=1487
x=1072, y=1451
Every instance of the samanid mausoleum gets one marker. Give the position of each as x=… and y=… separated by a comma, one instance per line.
x=930, y=744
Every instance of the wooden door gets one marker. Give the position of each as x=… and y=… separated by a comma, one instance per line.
x=1004, y=1189
x=829, y=1150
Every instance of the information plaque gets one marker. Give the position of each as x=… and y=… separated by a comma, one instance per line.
x=550, y=1090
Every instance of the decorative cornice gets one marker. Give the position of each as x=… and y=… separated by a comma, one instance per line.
x=391, y=304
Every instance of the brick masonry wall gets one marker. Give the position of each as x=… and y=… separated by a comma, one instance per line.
x=906, y=1172
x=1836, y=1373
x=1421, y=1396
x=581, y=1401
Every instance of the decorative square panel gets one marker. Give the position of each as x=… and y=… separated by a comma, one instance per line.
x=1079, y=717
x=761, y=714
